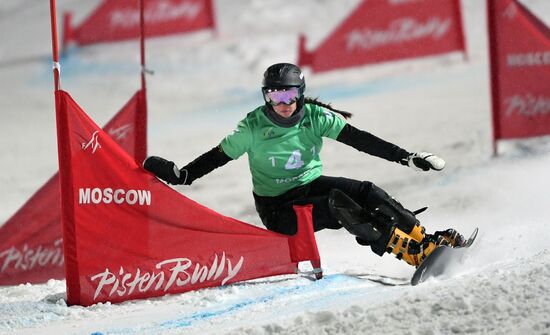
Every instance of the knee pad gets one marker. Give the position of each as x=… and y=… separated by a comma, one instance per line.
x=352, y=217
x=388, y=211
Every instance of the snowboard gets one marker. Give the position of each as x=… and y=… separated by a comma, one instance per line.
x=441, y=259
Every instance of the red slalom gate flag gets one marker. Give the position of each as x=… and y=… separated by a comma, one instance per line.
x=386, y=30
x=31, y=240
x=519, y=46
x=120, y=20
x=127, y=235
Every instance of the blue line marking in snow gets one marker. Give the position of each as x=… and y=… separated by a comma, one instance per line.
x=275, y=293
x=316, y=286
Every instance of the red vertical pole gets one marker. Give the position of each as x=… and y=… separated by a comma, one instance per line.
x=142, y=41
x=65, y=174
x=493, y=66
x=55, y=47
x=303, y=245
x=141, y=131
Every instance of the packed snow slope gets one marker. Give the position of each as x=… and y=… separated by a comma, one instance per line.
x=203, y=84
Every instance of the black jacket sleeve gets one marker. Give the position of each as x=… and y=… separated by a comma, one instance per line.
x=370, y=144
x=205, y=163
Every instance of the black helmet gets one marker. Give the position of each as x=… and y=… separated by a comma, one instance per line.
x=284, y=75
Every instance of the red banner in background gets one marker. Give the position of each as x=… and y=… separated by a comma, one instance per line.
x=127, y=235
x=520, y=70
x=31, y=240
x=385, y=30
x=119, y=20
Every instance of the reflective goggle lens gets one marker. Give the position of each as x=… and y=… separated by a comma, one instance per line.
x=279, y=96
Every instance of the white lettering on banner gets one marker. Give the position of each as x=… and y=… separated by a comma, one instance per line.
x=529, y=59
x=117, y=196
x=159, y=11
x=402, y=30
x=120, y=132
x=527, y=105
x=29, y=258
x=93, y=143
x=182, y=272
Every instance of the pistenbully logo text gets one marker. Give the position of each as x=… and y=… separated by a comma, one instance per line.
x=176, y=272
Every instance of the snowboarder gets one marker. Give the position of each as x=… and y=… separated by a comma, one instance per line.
x=283, y=139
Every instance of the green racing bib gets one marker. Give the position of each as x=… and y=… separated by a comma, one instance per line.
x=282, y=158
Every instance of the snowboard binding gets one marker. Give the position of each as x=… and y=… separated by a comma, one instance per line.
x=390, y=228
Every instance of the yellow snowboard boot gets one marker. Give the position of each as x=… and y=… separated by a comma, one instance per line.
x=414, y=247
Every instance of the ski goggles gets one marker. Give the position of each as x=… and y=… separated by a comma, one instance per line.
x=277, y=96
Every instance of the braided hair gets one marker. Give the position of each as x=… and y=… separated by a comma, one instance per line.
x=315, y=101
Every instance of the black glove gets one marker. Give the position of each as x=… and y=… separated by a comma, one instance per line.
x=424, y=161
x=165, y=170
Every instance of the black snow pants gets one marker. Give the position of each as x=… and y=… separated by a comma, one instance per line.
x=278, y=215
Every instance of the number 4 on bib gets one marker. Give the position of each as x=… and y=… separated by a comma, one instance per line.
x=294, y=161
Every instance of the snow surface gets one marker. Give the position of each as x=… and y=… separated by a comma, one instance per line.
x=204, y=83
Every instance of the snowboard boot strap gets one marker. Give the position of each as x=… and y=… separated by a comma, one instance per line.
x=411, y=248
x=420, y=210
x=453, y=237
x=418, y=232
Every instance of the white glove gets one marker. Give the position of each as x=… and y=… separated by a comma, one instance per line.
x=424, y=161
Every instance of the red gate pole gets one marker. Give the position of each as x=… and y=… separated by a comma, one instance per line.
x=55, y=47
x=142, y=42
x=141, y=131
x=493, y=69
